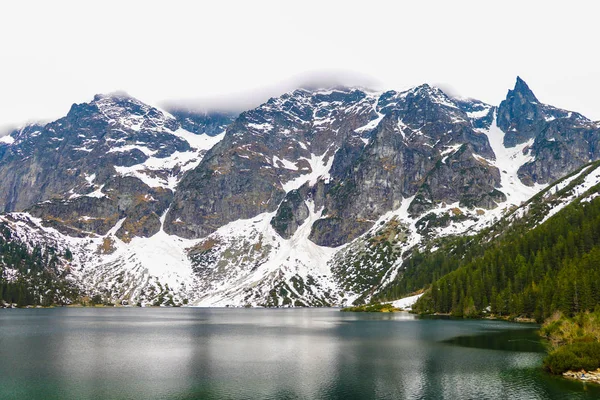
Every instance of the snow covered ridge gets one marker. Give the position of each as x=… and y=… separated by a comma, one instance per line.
x=579, y=186
x=27, y=230
x=151, y=271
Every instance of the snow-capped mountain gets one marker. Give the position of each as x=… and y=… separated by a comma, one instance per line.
x=312, y=198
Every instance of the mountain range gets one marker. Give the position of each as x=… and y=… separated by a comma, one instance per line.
x=317, y=197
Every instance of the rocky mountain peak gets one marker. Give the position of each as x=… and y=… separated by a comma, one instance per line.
x=122, y=109
x=112, y=135
x=425, y=90
x=337, y=96
x=557, y=140
x=422, y=98
x=428, y=93
x=117, y=102
x=522, y=91
x=267, y=152
x=519, y=114
x=422, y=107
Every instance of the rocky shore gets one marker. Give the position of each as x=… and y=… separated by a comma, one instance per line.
x=589, y=376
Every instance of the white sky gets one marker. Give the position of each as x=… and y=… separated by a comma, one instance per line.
x=55, y=53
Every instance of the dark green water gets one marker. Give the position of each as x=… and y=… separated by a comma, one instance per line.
x=268, y=354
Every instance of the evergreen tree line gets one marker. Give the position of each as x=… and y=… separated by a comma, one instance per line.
x=34, y=276
x=555, y=266
x=421, y=268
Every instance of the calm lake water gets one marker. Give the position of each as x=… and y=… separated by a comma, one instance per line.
x=133, y=353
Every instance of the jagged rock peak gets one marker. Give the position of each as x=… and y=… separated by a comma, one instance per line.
x=350, y=94
x=521, y=92
x=520, y=114
x=426, y=89
x=332, y=89
x=116, y=101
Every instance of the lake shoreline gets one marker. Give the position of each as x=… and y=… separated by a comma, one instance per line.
x=583, y=376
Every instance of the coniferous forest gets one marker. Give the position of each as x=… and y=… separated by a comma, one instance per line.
x=553, y=267
x=29, y=276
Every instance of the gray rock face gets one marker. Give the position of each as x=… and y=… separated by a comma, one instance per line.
x=47, y=162
x=562, y=146
x=520, y=114
x=69, y=172
x=461, y=178
x=562, y=140
x=263, y=151
x=404, y=157
x=125, y=198
x=292, y=213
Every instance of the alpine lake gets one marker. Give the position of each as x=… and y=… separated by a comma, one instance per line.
x=200, y=353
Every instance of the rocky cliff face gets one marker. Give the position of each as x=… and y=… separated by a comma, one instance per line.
x=109, y=159
x=311, y=198
x=265, y=153
x=558, y=140
x=371, y=151
x=424, y=144
x=125, y=199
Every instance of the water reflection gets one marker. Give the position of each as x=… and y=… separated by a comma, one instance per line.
x=267, y=354
x=518, y=340
x=273, y=354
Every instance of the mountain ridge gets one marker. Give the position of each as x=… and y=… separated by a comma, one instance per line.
x=312, y=198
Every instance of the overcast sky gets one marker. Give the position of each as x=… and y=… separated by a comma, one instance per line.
x=238, y=53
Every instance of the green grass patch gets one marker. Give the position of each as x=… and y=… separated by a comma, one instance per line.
x=574, y=342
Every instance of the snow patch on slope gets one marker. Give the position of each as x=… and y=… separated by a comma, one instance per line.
x=286, y=258
x=508, y=161
x=129, y=147
x=7, y=139
x=319, y=169
x=406, y=303
x=199, y=142
x=158, y=172
x=370, y=125
x=162, y=256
